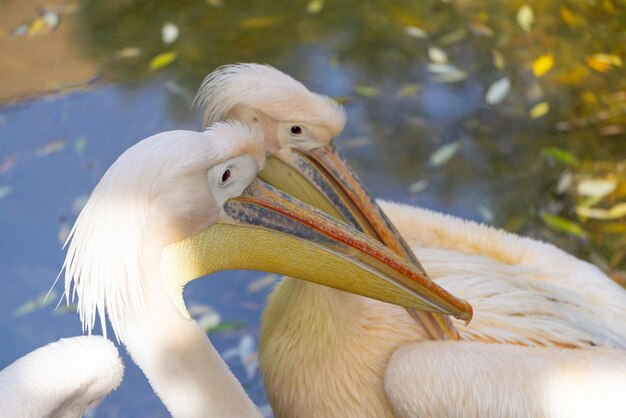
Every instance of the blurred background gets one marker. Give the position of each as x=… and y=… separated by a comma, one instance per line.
x=510, y=113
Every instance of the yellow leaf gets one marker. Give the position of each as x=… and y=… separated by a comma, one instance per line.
x=543, y=64
x=572, y=19
x=315, y=6
x=603, y=62
x=162, y=60
x=616, y=212
x=38, y=27
x=539, y=110
x=260, y=22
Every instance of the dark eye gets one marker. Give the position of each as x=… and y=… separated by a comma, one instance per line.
x=296, y=130
x=226, y=175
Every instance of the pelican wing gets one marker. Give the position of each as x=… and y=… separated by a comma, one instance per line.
x=470, y=379
x=523, y=291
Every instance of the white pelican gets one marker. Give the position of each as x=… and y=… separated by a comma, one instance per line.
x=536, y=300
x=173, y=208
x=61, y=379
x=297, y=120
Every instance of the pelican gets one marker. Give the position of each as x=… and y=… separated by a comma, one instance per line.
x=61, y=379
x=182, y=204
x=549, y=330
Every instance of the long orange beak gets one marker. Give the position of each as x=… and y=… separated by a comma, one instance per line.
x=266, y=229
x=322, y=178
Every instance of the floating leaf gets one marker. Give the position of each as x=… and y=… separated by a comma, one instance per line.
x=437, y=55
x=209, y=321
x=262, y=282
x=51, y=18
x=603, y=62
x=616, y=212
x=498, y=91
x=486, y=213
x=315, y=6
x=444, y=154
x=366, y=91
x=562, y=225
x=38, y=302
x=408, y=90
x=64, y=232
x=79, y=203
x=418, y=186
x=5, y=191
x=169, y=33
x=215, y=3
x=539, y=110
x=50, y=148
x=559, y=154
x=415, y=32
x=8, y=164
x=129, y=52
x=565, y=182
x=162, y=60
x=525, y=17
x=453, y=37
x=227, y=326
x=498, y=59
x=20, y=30
x=260, y=22
x=39, y=26
x=480, y=28
x=246, y=353
x=543, y=64
x=79, y=145
x=446, y=73
x=572, y=19
x=597, y=188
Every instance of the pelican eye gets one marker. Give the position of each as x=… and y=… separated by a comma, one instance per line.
x=225, y=176
x=296, y=130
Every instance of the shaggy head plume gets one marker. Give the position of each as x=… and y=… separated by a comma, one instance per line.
x=103, y=268
x=268, y=90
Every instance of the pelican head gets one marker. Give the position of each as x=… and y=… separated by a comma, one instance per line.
x=181, y=204
x=289, y=114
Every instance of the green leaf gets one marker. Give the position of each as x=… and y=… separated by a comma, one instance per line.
x=559, y=154
x=227, y=326
x=563, y=225
x=38, y=302
x=366, y=91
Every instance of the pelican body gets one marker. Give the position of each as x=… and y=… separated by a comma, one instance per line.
x=61, y=379
x=327, y=353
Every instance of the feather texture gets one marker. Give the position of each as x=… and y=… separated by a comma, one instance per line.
x=103, y=262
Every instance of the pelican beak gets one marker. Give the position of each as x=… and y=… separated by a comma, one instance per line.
x=322, y=178
x=266, y=229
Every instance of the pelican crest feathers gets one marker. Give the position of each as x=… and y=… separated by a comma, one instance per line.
x=265, y=88
x=103, y=261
